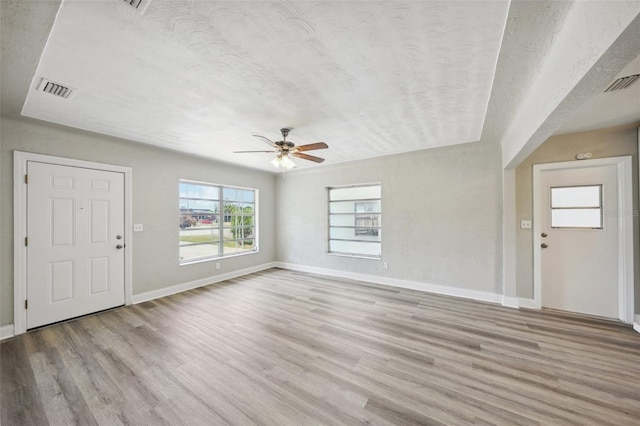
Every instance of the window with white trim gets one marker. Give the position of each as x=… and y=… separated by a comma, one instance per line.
x=576, y=207
x=216, y=221
x=355, y=220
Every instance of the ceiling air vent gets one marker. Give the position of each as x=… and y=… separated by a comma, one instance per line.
x=56, y=89
x=134, y=3
x=139, y=5
x=622, y=83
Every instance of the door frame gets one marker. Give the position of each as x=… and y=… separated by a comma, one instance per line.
x=20, y=160
x=624, y=181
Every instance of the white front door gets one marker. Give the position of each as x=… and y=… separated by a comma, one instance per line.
x=75, y=250
x=579, y=239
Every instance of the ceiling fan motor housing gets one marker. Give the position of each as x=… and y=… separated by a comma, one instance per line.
x=285, y=145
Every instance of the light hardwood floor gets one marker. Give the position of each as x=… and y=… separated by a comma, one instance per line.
x=286, y=348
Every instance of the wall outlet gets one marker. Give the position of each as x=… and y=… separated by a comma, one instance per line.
x=217, y=265
x=138, y=227
x=385, y=265
x=525, y=224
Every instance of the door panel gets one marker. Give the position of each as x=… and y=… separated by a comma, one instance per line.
x=62, y=282
x=580, y=262
x=74, y=216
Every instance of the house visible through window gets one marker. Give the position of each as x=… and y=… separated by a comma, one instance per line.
x=355, y=215
x=215, y=221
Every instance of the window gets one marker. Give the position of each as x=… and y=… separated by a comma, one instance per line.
x=355, y=221
x=216, y=221
x=576, y=207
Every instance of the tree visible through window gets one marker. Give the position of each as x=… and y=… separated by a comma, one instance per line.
x=215, y=221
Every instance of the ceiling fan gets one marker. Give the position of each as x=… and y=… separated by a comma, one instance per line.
x=285, y=150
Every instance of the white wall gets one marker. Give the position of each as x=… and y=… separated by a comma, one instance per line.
x=601, y=143
x=441, y=216
x=155, y=201
x=595, y=42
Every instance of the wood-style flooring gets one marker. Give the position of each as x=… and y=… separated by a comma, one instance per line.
x=286, y=348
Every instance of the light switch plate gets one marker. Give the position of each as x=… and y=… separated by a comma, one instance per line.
x=525, y=224
x=138, y=227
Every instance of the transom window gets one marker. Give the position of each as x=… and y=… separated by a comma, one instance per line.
x=216, y=221
x=576, y=207
x=355, y=220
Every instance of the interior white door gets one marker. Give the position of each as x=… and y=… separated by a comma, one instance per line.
x=75, y=251
x=579, y=240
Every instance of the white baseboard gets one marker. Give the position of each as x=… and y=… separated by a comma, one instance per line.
x=510, y=302
x=526, y=303
x=6, y=331
x=636, y=324
x=394, y=282
x=518, y=302
x=167, y=291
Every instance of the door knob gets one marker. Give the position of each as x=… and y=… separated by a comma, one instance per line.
x=543, y=245
x=119, y=237
x=543, y=235
x=119, y=246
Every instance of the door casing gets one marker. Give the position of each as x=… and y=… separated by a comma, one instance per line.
x=20, y=160
x=625, y=229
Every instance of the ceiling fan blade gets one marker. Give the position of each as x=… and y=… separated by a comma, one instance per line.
x=266, y=140
x=312, y=146
x=244, y=152
x=308, y=157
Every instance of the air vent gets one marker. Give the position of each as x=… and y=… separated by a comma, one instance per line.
x=139, y=5
x=622, y=83
x=48, y=86
x=133, y=3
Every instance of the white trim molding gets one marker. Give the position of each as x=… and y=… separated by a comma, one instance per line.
x=526, y=303
x=483, y=296
x=625, y=229
x=20, y=161
x=6, y=332
x=179, y=288
x=510, y=302
x=509, y=238
x=636, y=324
x=518, y=302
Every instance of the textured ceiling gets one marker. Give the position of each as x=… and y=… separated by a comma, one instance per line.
x=368, y=78
x=608, y=109
x=531, y=29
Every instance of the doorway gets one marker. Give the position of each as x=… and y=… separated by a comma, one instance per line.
x=583, y=237
x=72, y=242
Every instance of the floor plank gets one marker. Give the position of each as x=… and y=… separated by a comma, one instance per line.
x=288, y=348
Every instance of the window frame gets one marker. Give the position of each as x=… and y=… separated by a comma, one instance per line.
x=600, y=208
x=355, y=227
x=221, y=215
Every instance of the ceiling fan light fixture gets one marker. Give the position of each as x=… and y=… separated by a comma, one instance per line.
x=284, y=161
x=287, y=162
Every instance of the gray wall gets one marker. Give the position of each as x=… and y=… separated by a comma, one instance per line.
x=442, y=208
x=155, y=190
x=441, y=216
x=610, y=142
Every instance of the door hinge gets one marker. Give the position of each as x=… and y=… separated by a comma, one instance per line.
x=26, y=304
x=26, y=241
x=26, y=178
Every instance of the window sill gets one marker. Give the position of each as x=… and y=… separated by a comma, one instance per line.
x=211, y=259
x=356, y=256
